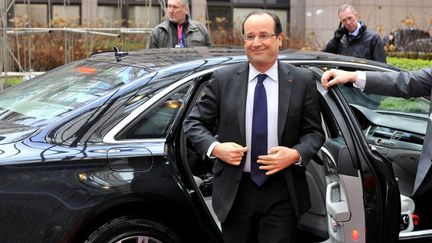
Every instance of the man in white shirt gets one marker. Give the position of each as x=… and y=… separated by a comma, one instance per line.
x=260, y=188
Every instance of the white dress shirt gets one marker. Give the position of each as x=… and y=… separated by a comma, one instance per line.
x=272, y=91
x=360, y=82
x=356, y=31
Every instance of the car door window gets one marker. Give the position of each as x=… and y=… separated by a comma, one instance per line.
x=394, y=127
x=157, y=120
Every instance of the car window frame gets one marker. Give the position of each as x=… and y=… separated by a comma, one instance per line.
x=112, y=136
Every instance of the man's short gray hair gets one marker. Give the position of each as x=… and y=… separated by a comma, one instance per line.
x=344, y=7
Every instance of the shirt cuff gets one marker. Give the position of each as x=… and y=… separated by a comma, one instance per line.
x=210, y=150
x=299, y=161
x=360, y=82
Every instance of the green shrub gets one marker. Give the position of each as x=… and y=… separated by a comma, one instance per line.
x=409, y=64
x=9, y=81
x=406, y=105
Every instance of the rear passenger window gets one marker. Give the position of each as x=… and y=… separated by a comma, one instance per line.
x=156, y=122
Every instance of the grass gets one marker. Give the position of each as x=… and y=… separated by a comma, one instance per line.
x=10, y=81
x=409, y=64
x=406, y=105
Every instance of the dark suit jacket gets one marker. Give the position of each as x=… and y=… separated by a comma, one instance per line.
x=223, y=106
x=408, y=84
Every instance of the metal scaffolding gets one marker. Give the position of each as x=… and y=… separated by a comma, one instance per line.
x=12, y=58
x=9, y=60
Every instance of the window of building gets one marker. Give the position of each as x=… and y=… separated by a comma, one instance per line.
x=144, y=16
x=35, y=14
x=69, y=13
x=109, y=16
x=241, y=13
x=220, y=18
x=283, y=16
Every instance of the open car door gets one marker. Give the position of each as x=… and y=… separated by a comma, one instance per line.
x=351, y=187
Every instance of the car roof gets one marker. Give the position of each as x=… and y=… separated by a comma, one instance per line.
x=155, y=59
x=162, y=57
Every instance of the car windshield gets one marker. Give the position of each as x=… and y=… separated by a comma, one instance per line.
x=386, y=104
x=62, y=90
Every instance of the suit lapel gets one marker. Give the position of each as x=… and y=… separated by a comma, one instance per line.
x=240, y=84
x=285, y=87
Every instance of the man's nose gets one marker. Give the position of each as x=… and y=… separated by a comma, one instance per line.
x=257, y=41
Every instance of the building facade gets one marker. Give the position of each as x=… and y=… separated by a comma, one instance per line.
x=314, y=20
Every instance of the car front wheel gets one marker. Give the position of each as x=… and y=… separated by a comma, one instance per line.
x=130, y=230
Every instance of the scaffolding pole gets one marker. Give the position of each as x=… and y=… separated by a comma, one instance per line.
x=5, y=5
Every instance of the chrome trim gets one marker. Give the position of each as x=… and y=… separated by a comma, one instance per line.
x=414, y=234
x=327, y=152
x=110, y=136
x=135, y=140
x=344, y=63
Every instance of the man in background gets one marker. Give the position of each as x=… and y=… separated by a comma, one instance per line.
x=179, y=30
x=352, y=38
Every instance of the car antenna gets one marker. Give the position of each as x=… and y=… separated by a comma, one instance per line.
x=119, y=53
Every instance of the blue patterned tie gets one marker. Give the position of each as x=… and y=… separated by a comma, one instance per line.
x=259, y=130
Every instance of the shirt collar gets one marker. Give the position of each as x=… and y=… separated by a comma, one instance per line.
x=272, y=73
x=356, y=31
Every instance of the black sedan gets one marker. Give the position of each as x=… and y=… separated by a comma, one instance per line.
x=94, y=151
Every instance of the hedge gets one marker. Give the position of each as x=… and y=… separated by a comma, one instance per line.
x=409, y=64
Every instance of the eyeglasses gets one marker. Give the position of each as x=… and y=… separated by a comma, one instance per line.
x=261, y=37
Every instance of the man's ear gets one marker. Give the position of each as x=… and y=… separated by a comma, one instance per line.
x=280, y=39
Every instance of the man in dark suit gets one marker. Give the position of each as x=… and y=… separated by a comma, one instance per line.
x=400, y=84
x=268, y=126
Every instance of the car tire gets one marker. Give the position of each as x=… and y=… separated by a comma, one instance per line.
x=133, y=229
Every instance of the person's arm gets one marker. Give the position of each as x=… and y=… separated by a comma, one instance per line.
x=333, y=45
x=378, y=52
x=200, y=123
x=153, y=40
x=309, y=134
x=398, y=84
x=207, y=37
x=337, y=76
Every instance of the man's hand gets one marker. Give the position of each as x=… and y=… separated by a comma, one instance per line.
x=231, y=153
x=278, y=159
x=339, y=33
x=336, y=76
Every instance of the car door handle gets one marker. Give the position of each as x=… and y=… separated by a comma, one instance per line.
x=337, y=208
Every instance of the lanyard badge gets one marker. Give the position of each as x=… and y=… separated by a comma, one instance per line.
x=180, y=36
